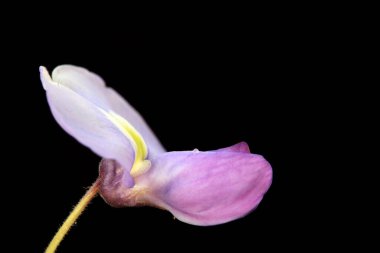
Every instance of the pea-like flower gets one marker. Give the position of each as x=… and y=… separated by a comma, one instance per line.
x=197, y=187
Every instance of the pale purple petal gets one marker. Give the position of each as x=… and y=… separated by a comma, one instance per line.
x=85, y=122
x=207, y=188
x=92, y=88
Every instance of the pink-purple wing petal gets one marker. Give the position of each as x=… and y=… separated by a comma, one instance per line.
x=208, y=188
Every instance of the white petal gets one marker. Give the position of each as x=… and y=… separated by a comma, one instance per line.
x=92, y=87
x=93, y=114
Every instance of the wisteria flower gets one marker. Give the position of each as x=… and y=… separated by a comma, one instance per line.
x=197, y=187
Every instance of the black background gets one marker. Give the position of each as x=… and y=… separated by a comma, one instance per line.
x=206, y=88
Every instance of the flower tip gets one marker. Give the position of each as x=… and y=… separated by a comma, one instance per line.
x=45, y=77
x=242, y=147
x=43, y=71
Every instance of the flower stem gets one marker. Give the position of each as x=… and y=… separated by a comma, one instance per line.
x=70, y=220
